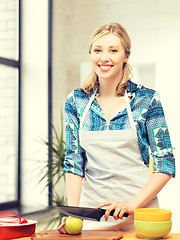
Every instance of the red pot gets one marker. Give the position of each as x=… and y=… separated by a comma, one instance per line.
x=11, y=231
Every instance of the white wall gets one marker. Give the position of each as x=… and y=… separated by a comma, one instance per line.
x=34, y=101
x=61, y=67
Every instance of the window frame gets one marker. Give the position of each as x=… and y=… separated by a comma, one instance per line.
x=17, y=65
x=16, y=204
x=50, y=201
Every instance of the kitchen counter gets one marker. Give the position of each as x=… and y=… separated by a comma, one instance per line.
x=92, y=234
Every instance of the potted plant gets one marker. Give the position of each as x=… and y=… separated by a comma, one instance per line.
x=53, y=169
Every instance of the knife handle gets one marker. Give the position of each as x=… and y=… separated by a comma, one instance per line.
x=102, y=211
x=124, y=215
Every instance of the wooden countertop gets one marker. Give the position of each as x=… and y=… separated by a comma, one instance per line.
x=92, y=234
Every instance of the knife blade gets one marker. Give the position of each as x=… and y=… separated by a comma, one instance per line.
x=85, y=213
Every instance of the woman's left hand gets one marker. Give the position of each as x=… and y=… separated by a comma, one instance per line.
x=120, y=209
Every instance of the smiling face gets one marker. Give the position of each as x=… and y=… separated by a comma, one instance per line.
x=108, y=57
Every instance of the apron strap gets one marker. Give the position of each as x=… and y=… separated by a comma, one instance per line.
x=87, y=109
x=133, y=126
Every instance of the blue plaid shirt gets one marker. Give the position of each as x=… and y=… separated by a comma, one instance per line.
x=150, y=122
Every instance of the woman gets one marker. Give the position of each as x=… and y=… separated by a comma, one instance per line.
x=110, y=124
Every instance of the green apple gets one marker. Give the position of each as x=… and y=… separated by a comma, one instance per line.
x=73, y=225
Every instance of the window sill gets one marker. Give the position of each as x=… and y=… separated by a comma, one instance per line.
x=27, y=210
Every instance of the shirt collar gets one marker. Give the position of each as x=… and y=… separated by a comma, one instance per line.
x=132, y=88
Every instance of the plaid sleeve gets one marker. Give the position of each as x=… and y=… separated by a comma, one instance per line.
x=75, y=155
x=159, y=138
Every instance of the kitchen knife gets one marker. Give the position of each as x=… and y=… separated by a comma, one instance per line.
x=85, y=213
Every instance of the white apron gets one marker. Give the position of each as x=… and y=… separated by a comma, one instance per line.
x=114, y=169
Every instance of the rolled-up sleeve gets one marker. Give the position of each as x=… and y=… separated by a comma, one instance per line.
x=159, y=138
x=75, y=155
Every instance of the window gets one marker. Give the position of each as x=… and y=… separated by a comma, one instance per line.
x=9, y=102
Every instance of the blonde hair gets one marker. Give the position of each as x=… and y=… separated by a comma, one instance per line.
x=92, y=81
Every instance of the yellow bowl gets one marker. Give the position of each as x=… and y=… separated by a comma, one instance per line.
x=153, y=230
x=152, y=214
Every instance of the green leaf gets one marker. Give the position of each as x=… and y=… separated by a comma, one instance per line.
x=57, y=148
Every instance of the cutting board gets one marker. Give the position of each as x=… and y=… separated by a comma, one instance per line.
x=93, y=234
x=85, y=235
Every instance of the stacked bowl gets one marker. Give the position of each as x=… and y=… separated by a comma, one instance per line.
x=152, y=223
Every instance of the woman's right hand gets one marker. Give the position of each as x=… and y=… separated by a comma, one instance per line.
x=61, y=228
